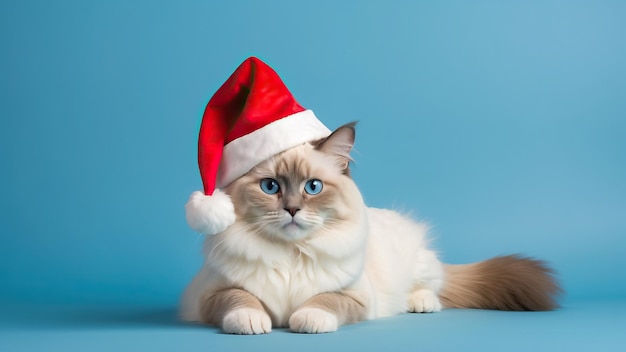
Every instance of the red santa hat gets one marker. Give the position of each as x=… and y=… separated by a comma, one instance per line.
x=250, y=118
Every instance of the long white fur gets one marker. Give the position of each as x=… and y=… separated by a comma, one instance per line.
x=382, y=254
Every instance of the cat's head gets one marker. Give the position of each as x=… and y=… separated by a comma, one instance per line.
x=301, y=192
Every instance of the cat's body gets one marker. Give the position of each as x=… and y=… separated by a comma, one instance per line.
x=306, y=253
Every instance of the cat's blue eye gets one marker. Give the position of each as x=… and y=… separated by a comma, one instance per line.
x=269, y=186
x=313, y=186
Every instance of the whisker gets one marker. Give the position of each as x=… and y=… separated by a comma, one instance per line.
x=215, y=247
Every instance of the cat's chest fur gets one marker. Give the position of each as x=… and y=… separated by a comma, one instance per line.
x=282, y=276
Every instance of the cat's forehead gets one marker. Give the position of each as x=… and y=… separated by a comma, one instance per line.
x=301, y=162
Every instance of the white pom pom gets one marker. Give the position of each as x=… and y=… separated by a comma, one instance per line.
x=210, y=215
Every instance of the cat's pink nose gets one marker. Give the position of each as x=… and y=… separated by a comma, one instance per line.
x=292, y=211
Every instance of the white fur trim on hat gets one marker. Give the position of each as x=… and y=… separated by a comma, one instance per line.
x=210, y=215
x=244, y=153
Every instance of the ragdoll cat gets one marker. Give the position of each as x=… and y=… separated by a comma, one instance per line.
x=306, y=253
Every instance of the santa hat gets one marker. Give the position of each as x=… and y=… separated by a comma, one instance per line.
x=250, y=118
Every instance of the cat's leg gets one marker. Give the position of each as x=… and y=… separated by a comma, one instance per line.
x=428, y=276
x=325, y=312
x=237, y=311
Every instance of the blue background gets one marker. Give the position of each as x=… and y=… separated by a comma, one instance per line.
x=503, y=124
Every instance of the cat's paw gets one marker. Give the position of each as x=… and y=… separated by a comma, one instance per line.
x=424, y=301
x=247, y=321
x=313, y=321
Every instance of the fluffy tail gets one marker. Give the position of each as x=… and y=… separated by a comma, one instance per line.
x=504, y=283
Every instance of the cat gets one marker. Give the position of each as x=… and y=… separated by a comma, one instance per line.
x=307, y=254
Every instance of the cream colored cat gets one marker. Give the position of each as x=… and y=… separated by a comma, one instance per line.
x=306, y=253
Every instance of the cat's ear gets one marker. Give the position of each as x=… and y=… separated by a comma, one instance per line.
x=339, y=144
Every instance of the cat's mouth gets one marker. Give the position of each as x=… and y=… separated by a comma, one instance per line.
x=294, y=229
x=293, y=224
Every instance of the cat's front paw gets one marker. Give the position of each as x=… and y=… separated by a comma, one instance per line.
x=313, y=321
x=424, y=301
x=247, y=321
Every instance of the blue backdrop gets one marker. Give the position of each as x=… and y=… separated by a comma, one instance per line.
x=503, y=124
